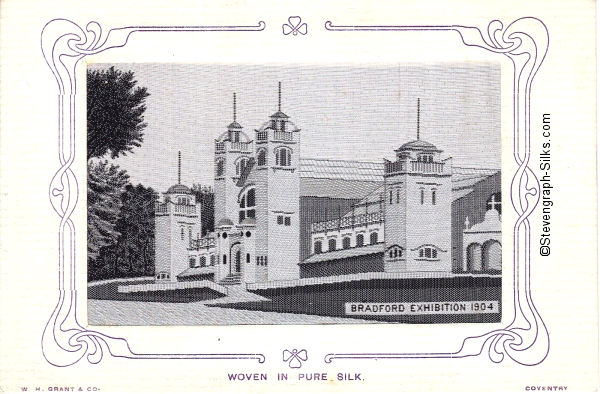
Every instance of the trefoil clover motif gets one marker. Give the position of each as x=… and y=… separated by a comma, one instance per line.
x=294, y=358
x=294, y=26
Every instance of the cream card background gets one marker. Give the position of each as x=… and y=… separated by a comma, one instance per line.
x=564, y=284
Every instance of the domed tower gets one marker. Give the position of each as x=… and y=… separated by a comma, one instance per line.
x=277, y=184
x=418, y=199
x=233, y=151
x=177, y=221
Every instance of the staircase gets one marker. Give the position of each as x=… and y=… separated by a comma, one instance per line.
x=231, y=280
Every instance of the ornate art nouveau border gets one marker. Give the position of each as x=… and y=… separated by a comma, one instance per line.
x=525, y=340
x=65, y=341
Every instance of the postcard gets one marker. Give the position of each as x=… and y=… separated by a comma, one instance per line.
x=279, y=196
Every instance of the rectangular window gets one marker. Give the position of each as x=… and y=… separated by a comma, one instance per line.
x=391, y=197
x=279, y=219
x=242, y=215
x=422, y=196
x=288, y=221
x=398, y=196
x=433, y=197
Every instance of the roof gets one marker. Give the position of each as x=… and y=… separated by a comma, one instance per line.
x=234, y=125
x=465, y=178
x=345, y=253
x=418, y=145
x=336, y=188
x=279, y=114
x=224, y=222
x=341, y=169
x=248, y=222
x=197, y=271
x=179, y=189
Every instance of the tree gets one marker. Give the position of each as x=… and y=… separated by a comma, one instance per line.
x=205, y=196
x=136, y=228
x=115, y=108
x=105, y=184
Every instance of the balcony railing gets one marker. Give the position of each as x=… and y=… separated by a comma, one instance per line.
x=414, y=166
x=432, y=167
x=262, y=135
x=348, y=222
x=197, y=244
x=240, y=146
x=167, y=207
x=396, y=166
x=283, y=136
x=219, y=146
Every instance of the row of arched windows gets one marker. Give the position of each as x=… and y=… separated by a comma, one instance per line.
x=283, y=158
x=203, y=261
x=346, y=242
x=484, y=257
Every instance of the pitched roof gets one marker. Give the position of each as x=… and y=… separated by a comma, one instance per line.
x=345, y=253
x=341, y=169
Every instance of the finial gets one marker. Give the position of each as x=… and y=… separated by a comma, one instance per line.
x=418, y=118
x=234, y=108
x=279, y=100
x=179, y=167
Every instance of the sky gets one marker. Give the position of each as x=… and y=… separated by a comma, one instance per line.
x=348, y=111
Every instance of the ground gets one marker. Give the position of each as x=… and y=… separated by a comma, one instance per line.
x=137, y=313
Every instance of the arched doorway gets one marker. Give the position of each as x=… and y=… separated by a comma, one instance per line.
x=492, y=255
x=235, y=257
x=474, y=257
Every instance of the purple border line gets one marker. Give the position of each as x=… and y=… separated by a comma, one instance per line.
x=64, y=340
x=526, y=339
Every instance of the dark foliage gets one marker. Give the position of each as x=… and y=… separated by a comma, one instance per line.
x=132, y=254
x=206, y=196
x=106, y=182
x=115, y=108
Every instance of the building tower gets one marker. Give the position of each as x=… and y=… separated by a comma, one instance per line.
x=277, y=185
x=418, y=199
x=177, y=221
x=233, y=151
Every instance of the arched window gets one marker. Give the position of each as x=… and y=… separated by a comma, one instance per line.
x=283, y=157
x=332, y=244
x=247, y=258
x=248, y=204
x=220, y=167
x=240, y=165
x=395, y=252
x=346, y=243
x=212, y=259
x=318, y=247
x=474, y=257
x=492, y=256
x=261, y=157
x=360, y=240
x=433, y=197
x=422, y=196
x=373, y=238
x=495, y=202
x=183, y=201
x=224, y=259
x=203, y=261
x=182, y=233
x=428, y=252
x=192, y=262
